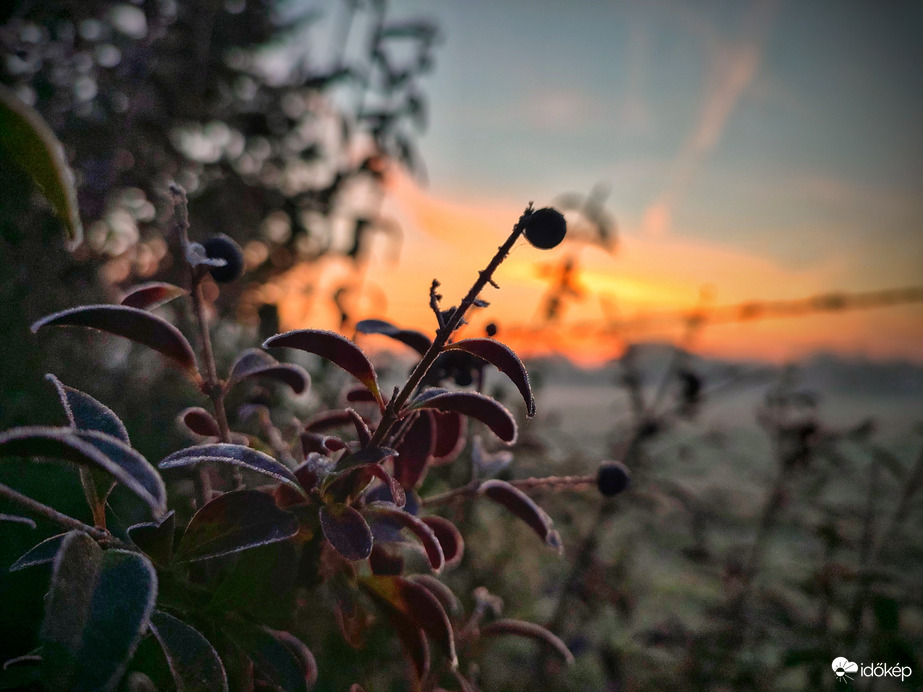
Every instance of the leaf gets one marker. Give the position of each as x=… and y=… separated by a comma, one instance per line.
x=531, y=630
x=451, y=435
x=27, y=141
x=501, y=357
x=258, y=577
x=346, y=531
x=448, y=599
x=193, y=661
x=272, y=658
x=233, y=522
x=363, y=434
x=14, y=519
x=337, y=349
x=86, y=413
x=387, y=511
x=347, y=485
x=417, y=603
x=92, y=450
x=328, y=420
x=256, y=363
x=483, y=408
x=134, y=324
x=96, y=612
x=155, y=538
x=236, y=455
x=301, y=652
x=449, y=537
x=415, y=450
x=418, y=341
x=200, y=421
x=523, y=507
x=150, y=295
x=40, y=554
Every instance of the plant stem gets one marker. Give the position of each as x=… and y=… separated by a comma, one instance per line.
x=394, y=407
x=212, y=386
x=549, y=482
x=45, y=512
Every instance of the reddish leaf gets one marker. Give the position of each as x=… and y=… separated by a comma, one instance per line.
x=335, y=348
x=363, y=434
x=236, y=455
x=232, y=522
x=417, y=603
x=451, y=435
x=150, y=295
x=449, y=537
x=139, y=326
x=93, y=450
x=531, y=630
x=384, y=560
x=483, y=408
x=273, y=658
x=416, y=340
x=347, y=485
x=360, y=395
x=200, y=421
x=523, y=507
x=346, y=531
x=415, y=451
x=448, y=599
x=155, y=538
x=501, y=357
x=256, y=363
x=301, y=652
x=389, y=512
x=193, y=661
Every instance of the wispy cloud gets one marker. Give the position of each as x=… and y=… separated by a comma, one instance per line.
x=732, y=67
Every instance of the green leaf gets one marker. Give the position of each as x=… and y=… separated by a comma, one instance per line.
x=40, y=554
x=275, y=661
x=28, y=142
x=96, y=612
x=235, y=521
x=193, y=661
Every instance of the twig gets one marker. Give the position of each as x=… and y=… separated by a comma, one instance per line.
x=546, y=482
x=395, y=406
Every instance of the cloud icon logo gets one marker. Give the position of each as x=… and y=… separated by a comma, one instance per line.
x=841, y=666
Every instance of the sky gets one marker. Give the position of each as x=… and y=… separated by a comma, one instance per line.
x=755, y=150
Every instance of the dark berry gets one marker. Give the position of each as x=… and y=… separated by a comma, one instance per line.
x=545, y=228
x=491, y=330
x=222, y=247
x=612, y=478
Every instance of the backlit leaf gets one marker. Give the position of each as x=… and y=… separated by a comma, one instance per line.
x=96, y=612
x=415, y=450
x=200, y=421
x=346, y=530
x=531, y=630
x=417, y=603
x=501, y=357
x=483, y=408
x=232, y=522
x=134, y=324
x=451, y=435
x=449, y=537
x=347, y=485
x=15, y=519
x=448, y=599
x=28, y=142
x=150, y=295
x=254, y=363
x=92, y=450
x=523, y=507
x=86, y=413
x=193, y=661
x=426, y=536
x=273, y=659
x=40, y=554
x=235, y=455
x=335, y=348
x=418, y=341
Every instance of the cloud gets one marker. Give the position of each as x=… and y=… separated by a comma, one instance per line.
x=733, y=68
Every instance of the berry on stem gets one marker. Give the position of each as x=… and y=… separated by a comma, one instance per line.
x=612, y=478
x=545, y=228
x=222, y=247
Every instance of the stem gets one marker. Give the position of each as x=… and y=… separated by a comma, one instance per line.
x=394, y=407
x=45, y=512
x=472, y=488
x=212, y=386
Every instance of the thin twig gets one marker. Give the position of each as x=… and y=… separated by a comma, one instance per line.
x=525, y=484
x=396, y=405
